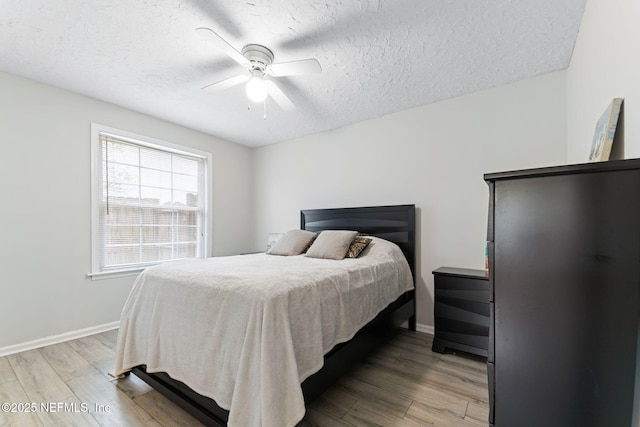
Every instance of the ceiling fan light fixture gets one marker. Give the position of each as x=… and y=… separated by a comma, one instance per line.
x=256, y=89
x=259, y=61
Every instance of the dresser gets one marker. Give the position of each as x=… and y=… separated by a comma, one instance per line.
x=461, y=310
x=564, y=263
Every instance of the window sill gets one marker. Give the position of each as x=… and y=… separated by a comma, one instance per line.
x=112, y=274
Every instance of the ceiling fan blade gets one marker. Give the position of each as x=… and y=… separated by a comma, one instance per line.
x=294, y=68
x=219, y=15
x=222, y=45
x=227, y=83
x=281, y=99
x=342, y=26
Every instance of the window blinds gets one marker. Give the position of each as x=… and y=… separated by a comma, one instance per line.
x=151, y=204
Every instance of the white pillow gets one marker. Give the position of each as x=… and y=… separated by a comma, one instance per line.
x=294, y=242
x=332, y=244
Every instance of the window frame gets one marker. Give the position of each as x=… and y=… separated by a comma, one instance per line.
x=97, y=245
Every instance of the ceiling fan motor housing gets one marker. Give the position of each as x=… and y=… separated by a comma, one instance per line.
x=259, y=56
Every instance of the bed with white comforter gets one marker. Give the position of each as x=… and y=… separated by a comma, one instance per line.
x=246, y=330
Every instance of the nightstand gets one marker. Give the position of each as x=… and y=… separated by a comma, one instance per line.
x=461, y=310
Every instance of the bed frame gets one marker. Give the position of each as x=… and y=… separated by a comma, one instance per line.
x=393, y=223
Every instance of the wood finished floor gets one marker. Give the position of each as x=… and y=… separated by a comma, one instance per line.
x=402, y=384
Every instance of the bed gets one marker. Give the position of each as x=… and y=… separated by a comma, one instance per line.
x=259, y=347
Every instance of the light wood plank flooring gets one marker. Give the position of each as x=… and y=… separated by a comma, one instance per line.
x=402, y=384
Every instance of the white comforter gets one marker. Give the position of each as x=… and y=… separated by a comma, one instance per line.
x=247, y=330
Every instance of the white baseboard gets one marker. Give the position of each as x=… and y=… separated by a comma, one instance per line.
x=427, y=329
x=68, y=336
x=421, y=328
x=55, y=339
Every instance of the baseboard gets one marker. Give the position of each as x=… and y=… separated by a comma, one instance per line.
x=421, y=328
x=68, y=336
x=427, y=329
x=55, y=339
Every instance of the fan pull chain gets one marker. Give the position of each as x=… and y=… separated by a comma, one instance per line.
x=264, y=104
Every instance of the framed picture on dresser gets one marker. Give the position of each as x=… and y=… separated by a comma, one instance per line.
x=605, y=132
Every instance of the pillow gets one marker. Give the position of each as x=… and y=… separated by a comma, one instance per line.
x=357, y=246
x=332, y=244
x=294, y=242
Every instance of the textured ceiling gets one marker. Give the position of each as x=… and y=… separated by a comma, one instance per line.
x=377, y=56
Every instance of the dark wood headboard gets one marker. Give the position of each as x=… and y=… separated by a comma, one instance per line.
x=394, y=223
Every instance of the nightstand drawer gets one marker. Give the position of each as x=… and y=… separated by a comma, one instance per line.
x=464, y=311
x=461, y=310
x=449, y=283
x=462, y=295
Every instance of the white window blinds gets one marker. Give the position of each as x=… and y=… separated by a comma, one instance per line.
x=151, y=205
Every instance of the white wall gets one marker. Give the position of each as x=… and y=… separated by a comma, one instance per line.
x=434, y=156
x=45, y=207
x=605, y=65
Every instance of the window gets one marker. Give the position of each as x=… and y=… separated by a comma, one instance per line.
x=149, y=202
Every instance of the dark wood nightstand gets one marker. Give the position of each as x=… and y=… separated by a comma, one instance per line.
x=461, y=310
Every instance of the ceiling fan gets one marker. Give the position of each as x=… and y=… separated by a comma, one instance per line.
x=258, y=60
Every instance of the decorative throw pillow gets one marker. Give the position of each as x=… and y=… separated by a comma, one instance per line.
x=294, y=242
x=332, y=244
x=357, y=246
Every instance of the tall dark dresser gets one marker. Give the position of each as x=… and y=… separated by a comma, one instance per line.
x=564, y=285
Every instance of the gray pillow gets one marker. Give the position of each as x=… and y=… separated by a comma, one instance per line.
x=294, y=242
x=332, y=244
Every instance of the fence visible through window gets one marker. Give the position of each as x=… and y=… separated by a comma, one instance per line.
x=151, y=204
